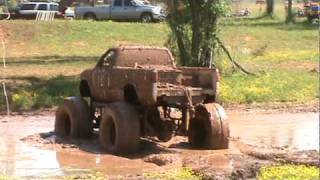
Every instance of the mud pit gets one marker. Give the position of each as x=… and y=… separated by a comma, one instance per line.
x=29, y=150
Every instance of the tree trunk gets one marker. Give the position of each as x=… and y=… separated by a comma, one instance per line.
x=289, y=18
x=196, y=31
x=175, y=20
x=270, y=7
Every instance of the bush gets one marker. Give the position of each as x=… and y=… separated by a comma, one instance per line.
x=22, y=100
x=175, y=174
x=289, y=172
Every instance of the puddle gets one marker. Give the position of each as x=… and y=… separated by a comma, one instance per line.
x=294, y=130
x=17, y=158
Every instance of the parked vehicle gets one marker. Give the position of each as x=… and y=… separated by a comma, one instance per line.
x=121, y=10
x=69, y=13
x=29, y=10
x=312, y=10
x=139, y=92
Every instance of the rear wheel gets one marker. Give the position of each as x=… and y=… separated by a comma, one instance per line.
x=90, y=16
x=120, y=128
x=209, y=128
x=73, y=118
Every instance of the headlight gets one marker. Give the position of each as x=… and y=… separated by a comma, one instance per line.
x=156, y=10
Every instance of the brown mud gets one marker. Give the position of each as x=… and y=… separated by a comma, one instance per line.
x=29, y=148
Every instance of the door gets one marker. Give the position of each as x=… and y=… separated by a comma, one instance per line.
x=130, y=10
x=28, y=11
x=101, y=77
x=116, y=10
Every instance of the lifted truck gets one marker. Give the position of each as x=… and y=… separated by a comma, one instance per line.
x=138, y=92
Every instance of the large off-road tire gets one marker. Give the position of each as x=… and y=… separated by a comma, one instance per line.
x=120, y=128
x=73, y=119
x=209, y=128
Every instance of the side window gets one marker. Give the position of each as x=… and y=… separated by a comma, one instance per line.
x=118, y=3
x=127, y=3
x=107, y=60
x=28, y=7
x=42, y=7
x=53, y=7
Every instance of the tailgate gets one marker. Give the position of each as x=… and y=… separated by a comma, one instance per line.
x=205, y=78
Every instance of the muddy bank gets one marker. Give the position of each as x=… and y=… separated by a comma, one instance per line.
x=275, y=107
x=29, y=149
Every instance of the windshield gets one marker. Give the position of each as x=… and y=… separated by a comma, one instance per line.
x=141, y=2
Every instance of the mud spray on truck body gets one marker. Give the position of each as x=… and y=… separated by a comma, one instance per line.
x=136, y=92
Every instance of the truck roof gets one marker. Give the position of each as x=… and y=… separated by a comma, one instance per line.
x=129, y=56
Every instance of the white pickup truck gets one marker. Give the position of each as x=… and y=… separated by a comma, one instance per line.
x=122, y=10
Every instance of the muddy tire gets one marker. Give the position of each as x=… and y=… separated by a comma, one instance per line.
x=120, y=128
x=73, y=119
x=209, y=128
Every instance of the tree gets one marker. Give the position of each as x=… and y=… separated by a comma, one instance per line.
x=270, y=7
x=290, y=16
x=194, y=25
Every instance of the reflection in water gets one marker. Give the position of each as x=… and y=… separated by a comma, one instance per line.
x=111, y=165
x=300, y=130
x=19, y=159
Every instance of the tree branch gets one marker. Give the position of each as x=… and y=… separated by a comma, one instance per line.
x=232, y=60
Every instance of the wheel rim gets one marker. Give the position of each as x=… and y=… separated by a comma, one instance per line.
x=112, y=134
x=108, y=134
x=67, y=126
x=146, y=18
x=64, y=125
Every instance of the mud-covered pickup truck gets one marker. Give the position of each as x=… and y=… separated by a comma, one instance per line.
x=121, y=10
x=138, y=92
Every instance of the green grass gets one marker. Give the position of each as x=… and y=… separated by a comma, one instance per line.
x=91, y=176
x=3, y=177
x=289, y=172
x=175, y=174
x=272, y=86
x=45, y=59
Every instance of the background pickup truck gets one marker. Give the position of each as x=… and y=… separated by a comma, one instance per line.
x=29, y=10
x=121, y=10
x=139, y=92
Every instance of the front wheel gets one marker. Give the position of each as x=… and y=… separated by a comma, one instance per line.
x=209, y=128
x=119, y=128
x=146, y=18
x=73, y=119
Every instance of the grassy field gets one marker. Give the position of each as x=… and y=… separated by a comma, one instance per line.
x=44, y=59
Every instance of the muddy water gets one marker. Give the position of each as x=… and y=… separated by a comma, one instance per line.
x=24, y=160
x=293, y=130
x=21, y=159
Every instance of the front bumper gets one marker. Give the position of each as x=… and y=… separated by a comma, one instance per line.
x=159, y=17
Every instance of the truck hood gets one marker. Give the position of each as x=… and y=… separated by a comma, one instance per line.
x=154, y=9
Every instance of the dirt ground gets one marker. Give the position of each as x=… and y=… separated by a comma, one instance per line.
x=259, y=137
